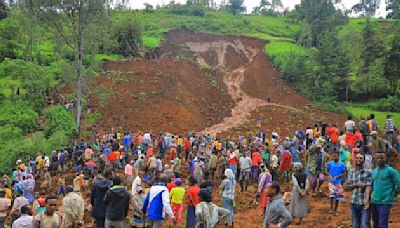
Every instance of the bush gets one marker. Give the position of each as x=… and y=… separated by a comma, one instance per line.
x=127, y=35
x=59, y=119
x=330, y=105
x=19, y=114
x=389, y=104
x=8, y=132
x=14, y=149
x=193, y=10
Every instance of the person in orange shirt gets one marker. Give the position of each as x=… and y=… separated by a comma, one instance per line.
x=112, y=158
x=333, y=133
x=149, y=152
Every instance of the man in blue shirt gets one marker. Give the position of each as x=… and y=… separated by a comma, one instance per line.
x=157, y=203
x=336, y=170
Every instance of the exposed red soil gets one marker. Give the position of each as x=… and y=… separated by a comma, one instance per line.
x=178, y=94
x=169, y=95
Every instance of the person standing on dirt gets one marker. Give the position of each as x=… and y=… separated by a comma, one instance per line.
x=390, y=128
x=333, y=133
x=228, y=193
x=18, y=203
x=117, y=200
x=359, y=181
x=73, y=209
x=157, y=203
x=349, y=125
x=276, y=214
x=315, y=161
x=221, y=165
x=377, y=143
x=192, y=196
x=298, y=201
x=208, y=214
x=212, y=165
x=364, y=129
x=274, y=166
x=26, y=219
x=336, y=170
x=245, y=166
x=385, y=187
x=50, y=217
x=5, y=205
x=255, y=162
x=100, y=187
x=263, y=181
x=233, y=162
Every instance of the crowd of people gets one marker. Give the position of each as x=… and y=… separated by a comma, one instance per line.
x=153, y=179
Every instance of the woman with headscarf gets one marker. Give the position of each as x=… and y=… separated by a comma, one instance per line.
x=263, y=180
x=298, y=202
x=29, y=185
x=208, y=214
x=228, y=193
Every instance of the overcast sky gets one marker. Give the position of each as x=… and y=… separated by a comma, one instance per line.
x=250, y=4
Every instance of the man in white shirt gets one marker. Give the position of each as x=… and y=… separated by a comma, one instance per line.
x=245, y=166
x=349, y=125
x=26, y=218
x=137, y=182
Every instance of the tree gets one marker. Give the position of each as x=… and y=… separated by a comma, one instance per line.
x=269, y=7
x=236, y=6
x=371, y=51
x=392, y=65
x=128, y=35
x=332, y=71
x=205, y=3
x=393, y=8
x=368, y=8
x=148, y=8
x=3, y=12
x=72, y=19
x=321, y=16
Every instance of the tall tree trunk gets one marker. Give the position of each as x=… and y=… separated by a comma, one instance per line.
x=79, y=92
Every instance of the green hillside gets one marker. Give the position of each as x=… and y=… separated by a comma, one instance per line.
x=324, y=60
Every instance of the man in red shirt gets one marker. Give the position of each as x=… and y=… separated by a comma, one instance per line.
x=192, y=200
x=333, y=133
x=112, y=158
x=255, y=161
x=286, y=164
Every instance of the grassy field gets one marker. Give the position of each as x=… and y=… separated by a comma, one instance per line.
x=379, y=116
x=280, y=52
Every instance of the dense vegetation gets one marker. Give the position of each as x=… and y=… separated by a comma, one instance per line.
x=45, y=48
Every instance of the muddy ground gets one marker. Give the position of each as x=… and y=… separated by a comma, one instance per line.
x=211, y=84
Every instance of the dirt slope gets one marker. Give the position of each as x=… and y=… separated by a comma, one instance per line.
x=203, y=83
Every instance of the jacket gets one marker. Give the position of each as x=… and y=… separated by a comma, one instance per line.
x=157, y=203
x=209, y=215
x=100, y=187
x=73, y=210
x=117, y=203
x=276, y=213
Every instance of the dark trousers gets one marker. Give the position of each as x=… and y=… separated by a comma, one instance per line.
x=360, y=217
x=380, y=215
x=100, y=222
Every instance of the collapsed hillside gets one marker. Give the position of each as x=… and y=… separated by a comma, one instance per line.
x=203, y=83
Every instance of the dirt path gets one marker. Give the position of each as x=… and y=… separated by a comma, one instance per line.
x=244, y=104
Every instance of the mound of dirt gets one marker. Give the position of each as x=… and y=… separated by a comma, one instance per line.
x=203, y=83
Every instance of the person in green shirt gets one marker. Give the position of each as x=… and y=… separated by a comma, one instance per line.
x=385, y=185
x=266, y=155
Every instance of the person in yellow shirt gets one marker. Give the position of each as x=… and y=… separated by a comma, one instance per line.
x=177, y=195
x=8, y=191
